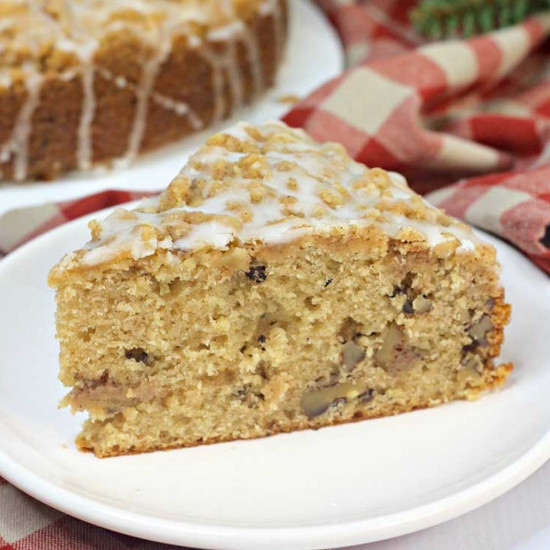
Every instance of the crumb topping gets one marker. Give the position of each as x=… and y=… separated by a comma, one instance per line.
x=268, y=185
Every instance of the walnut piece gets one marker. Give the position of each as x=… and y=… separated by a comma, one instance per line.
x=352, y=355
x=316, y=402
x=395, y=354
x=478, y=332
x=421, y=304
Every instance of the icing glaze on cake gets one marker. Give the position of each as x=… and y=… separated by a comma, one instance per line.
x=269, y=184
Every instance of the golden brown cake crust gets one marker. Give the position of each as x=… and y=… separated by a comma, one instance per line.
x=66, y=107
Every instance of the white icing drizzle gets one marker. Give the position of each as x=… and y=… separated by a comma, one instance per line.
x=250, y=42
x=238, y=32
x=231, y=62
x=225, y=63
x=84, y=153
x=19, y=142
x=180, y=108
x=304, y=188
x=217, y=83
x=149, y=74
x=274, y=8
x=77, y=28
x=84, y=46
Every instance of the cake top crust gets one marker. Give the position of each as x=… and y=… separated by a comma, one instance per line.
x=268, y=185
x=54, y=35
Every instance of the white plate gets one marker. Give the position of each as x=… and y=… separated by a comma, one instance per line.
x=314, y=55
x=332, y=487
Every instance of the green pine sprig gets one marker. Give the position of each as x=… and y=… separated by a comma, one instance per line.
x=437, y=19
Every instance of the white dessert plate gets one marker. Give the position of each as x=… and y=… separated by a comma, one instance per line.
x=314, y=489
x=314, y=55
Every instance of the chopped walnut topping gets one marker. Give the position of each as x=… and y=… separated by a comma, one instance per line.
x=175, y=226
x=241, y=209
x=254, y=133
x=447, y=248
x=227, y=141
x=222, y=169
x=289, y=98
x=343, y=191
x=95, y=228
x=286, y=166
x=319, y=212
x=332, y=199
x=412, y=209
x=124, y=214
x=291, y=206
x=374, y=216
x=176, y=194
x=196, y=218
x=254, y=167
x=380, y=178
x=292, y=184
x=148, y=233
x=367, y=186
x=257, y=192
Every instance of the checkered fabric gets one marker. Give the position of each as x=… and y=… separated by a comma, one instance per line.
x=24, y=224
x=26, y=524
x=468, y=122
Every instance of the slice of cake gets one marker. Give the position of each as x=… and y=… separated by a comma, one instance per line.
x=276, y=285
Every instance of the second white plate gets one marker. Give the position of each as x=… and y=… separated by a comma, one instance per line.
x=332, y=487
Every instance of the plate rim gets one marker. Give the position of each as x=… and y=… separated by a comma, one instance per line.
x=307, y=537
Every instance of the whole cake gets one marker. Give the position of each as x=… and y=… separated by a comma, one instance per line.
x=276, y=285
x=87, y=82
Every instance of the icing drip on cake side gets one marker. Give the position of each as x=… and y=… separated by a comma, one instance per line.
x=234, y=75
x=217, y=83
x=149, y=74
x=19, y=143
x=178, y=107
x=274, y=8
x=84, y=152
x=250, y=42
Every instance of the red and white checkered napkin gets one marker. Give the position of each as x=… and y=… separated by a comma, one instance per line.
x=26, y=524
x=468, y=121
